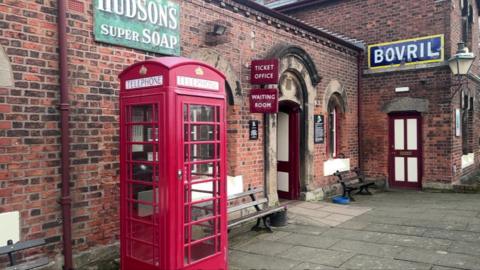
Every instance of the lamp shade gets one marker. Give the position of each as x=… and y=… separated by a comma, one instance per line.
x=461, y=63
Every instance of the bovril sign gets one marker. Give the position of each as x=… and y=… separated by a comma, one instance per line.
x=406, y=52
x=149, y=25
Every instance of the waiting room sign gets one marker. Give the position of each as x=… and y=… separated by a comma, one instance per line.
x=149, y=25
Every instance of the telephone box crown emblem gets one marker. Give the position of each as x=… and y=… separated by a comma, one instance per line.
x=199, y=71
x=143, y=70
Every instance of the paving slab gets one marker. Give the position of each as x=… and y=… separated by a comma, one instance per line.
x=273, y=236
x=414, y=241
x=440, y=258
x=239, y=260
x=316, y=255
x=263, y=247
x=303, y=229
x=353, y=234
x=354, y=225
x=314, y=266
x=363, y=262
x=396, y=229
x=360, y=247
x=454, y=235
x=309, y=240
x=465, y=248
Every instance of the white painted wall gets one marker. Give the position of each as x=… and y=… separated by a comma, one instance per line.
x=332, y=165
x=9, y=227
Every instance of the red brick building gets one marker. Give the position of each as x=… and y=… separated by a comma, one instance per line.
x=424, y=90
x=318, y=77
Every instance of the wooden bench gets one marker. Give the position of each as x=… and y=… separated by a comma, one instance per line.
x=261, y=213
x=11, y=248
x=353, y=180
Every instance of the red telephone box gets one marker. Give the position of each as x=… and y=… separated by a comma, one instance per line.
x=173, y=166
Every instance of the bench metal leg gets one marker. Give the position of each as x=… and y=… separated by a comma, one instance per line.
x=364, y=191
x=350, y=196
x=267, y=225
x=257, y=228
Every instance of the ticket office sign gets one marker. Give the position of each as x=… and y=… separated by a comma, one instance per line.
x=149, y=25
x=415, y=51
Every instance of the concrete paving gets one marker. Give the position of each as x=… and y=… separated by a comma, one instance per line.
x=395, y=230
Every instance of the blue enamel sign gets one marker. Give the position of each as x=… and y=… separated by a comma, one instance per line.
x=406, y=52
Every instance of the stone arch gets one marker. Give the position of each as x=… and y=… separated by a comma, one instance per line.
x=334, y=87
x=405, y=104
x=298, y=62
x=214, y=59
x=6, y=75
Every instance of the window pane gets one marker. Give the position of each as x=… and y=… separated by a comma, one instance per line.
x=202, y=210
x=146, y=154
x=203, y=229
x=143, y=172
x=203, y=249
x=143, y=113
x=202, y=171
x=141, y=211
x=137, y=134
x=142, y=252
x=201, y=113
x=202, y=133
x=202, y=151
x=141, y=231
x=203, y=191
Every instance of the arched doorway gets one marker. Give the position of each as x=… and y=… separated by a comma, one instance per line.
x=289, y=136
x=296, y=104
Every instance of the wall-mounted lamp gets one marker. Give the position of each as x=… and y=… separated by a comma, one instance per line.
x=218, y=33
x=462, y=61
x=460, y=65
x=218, y=29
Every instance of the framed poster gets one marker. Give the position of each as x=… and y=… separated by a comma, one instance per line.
x=253, y=129
x=319, y=129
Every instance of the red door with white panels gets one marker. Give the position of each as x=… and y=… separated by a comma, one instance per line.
x=288, y=151
x=405, y=154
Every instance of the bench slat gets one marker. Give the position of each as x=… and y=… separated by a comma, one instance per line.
x=255, y=215
x=29, y=265
x=246, y=193
x=21, y=246
x=246, y=205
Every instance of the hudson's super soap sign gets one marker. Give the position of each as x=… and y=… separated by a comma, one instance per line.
x=150, y=25
x=406, y=52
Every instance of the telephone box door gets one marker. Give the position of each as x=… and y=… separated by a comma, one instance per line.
x=144, y=183
x=203, y=183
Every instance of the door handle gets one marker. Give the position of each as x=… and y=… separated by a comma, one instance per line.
x=179, y=174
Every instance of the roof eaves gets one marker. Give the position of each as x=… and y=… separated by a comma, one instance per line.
x=350, y=43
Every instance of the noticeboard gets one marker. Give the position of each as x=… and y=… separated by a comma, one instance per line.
x=319, y=129
x=253, y=129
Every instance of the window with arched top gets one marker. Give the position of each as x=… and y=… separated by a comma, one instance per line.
x=335, y=121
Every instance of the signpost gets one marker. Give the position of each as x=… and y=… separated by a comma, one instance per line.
x=149, y=25
x=264, y=101
x=319, y=130
x=264, y=72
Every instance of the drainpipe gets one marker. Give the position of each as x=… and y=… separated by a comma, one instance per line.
x=359, y=108
x=65, y=201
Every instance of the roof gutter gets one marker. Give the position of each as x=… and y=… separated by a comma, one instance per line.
x=277, y=15
x=301, y=4
x=64, y=106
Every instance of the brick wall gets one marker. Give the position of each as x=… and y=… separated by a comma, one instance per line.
x=29, y=119
x=384, y=21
